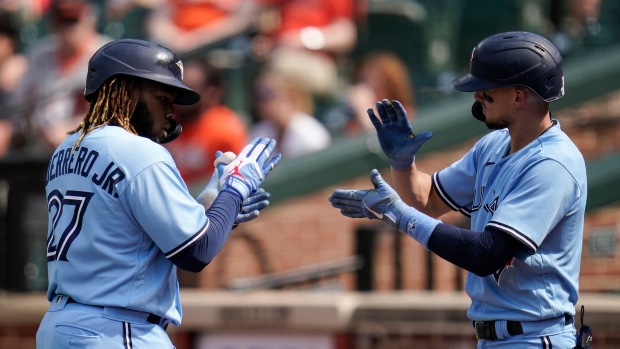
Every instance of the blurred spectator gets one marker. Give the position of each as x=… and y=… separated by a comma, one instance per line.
x=283, y=108
x=377, y=75
x=13, y=65
x=51, y=94
x=127, y=18
x=302, y=37
x=29, y=11
x=208, y=125
x=185, y=25
x=583, y=12
x=580, y=25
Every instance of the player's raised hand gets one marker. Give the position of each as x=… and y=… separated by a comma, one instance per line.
x=396, y=137
x=251, y=206
x=250, y=168
x=379, y=203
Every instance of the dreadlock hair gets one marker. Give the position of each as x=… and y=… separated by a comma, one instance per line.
x=114, y=102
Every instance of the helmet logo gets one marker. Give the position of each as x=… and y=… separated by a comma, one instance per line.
x=471, y=58
x=180, y=65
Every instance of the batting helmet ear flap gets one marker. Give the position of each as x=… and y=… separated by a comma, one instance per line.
x=476, y=111
x=175, y=132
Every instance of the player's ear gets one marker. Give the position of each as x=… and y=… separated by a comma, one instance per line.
x=519, y=96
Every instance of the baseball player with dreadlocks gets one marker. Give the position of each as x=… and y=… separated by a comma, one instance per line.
x=121, y=219
x=523, y=185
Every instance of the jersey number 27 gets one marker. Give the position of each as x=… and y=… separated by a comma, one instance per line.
x=79, y=200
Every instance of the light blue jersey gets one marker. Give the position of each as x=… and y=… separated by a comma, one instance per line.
x=538, y=196
x=118, y=209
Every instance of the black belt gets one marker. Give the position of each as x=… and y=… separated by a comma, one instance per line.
x=486, y=329
x=152, y=318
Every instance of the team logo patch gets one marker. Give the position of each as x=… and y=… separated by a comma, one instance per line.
x=498, y=274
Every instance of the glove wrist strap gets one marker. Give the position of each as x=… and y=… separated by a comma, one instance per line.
x=418, y=225
x=233, y=190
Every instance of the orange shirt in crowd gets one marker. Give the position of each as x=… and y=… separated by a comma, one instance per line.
x=192, y=14
x=219, y=128
x=297, y=14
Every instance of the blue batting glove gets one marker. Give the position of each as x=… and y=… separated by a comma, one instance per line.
x=396, y=137
x=380, y=203
x=250, y=207
x=250, y=168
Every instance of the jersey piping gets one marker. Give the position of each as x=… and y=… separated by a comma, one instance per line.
x=445, y=198
x=189, y=242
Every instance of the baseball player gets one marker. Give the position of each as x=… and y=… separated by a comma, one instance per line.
x=523, y=185
x=121, y=219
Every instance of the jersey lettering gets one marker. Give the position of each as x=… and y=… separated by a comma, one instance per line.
x=492, y=206
x=109, y=179
x=476, y=207
x=79, y=200
x=65, y=162
x=62, y=163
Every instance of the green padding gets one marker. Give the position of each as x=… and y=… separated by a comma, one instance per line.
x=603, y=182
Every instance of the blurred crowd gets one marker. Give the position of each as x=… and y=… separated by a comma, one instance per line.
x=299, y=71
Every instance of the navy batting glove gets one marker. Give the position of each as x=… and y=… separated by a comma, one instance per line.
x=250, y=168
x=251, y=207
x=396, y=137
x=380, y=203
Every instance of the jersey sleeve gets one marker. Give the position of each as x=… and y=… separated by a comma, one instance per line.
x=158, y=200
x=455, y=184
x=536, y=202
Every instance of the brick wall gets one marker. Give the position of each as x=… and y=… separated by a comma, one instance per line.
x=18, y=337
x=601, y=273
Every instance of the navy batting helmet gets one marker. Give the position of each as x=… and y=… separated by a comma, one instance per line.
x=139, y=58
x=515, y=59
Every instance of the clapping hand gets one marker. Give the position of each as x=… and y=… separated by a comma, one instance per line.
x=250, y=207
x=250, y=168
x=380, y=203
x=396, y=137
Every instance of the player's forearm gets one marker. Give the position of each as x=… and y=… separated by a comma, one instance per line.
x=415, y=189
x=222, y=215
x=481, y=253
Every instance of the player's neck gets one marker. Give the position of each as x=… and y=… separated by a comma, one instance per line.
x=523, y=134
